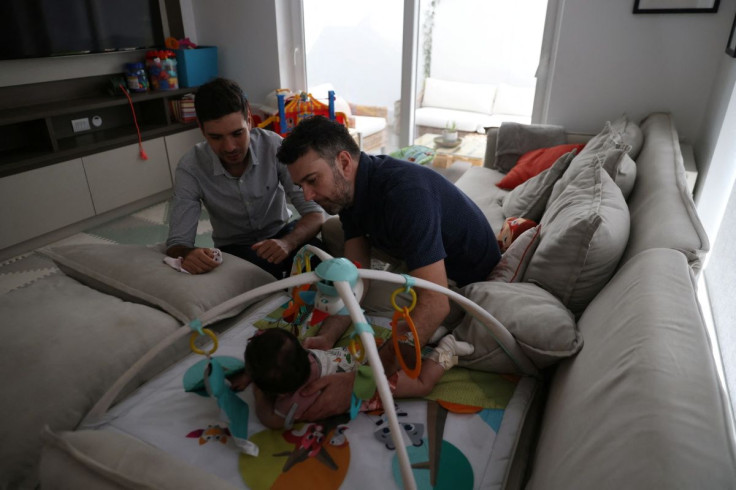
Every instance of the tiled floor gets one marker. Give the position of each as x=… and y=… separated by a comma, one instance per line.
x=149, y=226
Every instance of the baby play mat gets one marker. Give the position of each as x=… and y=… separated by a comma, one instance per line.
x=462, y=437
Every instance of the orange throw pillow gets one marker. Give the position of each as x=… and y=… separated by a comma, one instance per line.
x=533, y=163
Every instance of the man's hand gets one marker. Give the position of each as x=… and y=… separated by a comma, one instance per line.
x=199, y=261
x=273, y=250
x=335, y=397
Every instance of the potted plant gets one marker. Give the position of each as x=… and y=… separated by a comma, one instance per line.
x=449, y=134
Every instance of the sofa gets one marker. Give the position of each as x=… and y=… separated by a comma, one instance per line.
x=629, y=396
x=471, y=106
x=640, y=405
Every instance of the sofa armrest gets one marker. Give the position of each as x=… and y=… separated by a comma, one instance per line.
x=641, y=405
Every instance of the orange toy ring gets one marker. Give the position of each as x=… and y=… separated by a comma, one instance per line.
x=412, y=373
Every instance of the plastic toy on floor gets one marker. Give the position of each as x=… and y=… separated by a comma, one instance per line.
x=300, y=106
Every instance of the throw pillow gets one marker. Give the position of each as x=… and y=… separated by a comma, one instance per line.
x=584, y=234
x=626, y=176
x=515, y=260
x=534, y=162
x=529, y=199
x=620, y=133
x=544, y=329
x=136, y=273
x=609, y=159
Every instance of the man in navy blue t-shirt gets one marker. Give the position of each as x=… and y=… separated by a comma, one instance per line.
x=405, y=210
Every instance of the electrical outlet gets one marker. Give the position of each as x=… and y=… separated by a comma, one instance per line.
x=80, y=124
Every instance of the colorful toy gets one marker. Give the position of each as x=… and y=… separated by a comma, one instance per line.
x=300, y=106
x=512, y=228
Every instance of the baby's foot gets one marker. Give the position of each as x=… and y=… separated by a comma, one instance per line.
x=457, y=347
x=449, y=348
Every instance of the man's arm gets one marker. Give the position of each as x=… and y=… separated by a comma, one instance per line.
x=432, y=307
x=275, y=250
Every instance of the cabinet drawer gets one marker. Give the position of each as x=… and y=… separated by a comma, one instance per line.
x=118, y=177
x=43, y=200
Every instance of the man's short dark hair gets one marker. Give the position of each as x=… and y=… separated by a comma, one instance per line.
x=219, y=98
x=325, y=136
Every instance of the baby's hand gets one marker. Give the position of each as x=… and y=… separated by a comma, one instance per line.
x=239, y=382
x=317, y=342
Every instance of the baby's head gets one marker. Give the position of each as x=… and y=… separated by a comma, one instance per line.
x=276, y=361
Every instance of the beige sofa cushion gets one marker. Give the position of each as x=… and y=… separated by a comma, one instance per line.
x=138, y=273
x=644, y=384
x=584, y=233
x=103, y=460
x=64, y=346
x=529, y=199
x=662, y=209
x=545, y=330
x=478, y=183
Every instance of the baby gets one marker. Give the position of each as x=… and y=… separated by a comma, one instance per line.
x=279, y=367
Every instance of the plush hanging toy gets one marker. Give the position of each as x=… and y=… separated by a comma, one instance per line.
x=512, y=228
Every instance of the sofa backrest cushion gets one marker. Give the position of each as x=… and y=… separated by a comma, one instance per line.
x=644, y=384
x=478, y=184
x=544, y=329
x=621, y=133
x=584, y=233
x=462, y=96
x=529, y=199
x=610, y=159
x=662, y=209
x=514, y=101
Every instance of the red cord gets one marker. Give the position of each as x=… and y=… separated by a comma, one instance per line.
x=135, y=121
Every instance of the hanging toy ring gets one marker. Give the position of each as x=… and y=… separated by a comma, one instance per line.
x=355, y=347
x=402, y=290
x=404, y=312
x=199, y=351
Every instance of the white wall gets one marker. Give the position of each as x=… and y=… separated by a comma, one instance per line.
x=245, y=35
x=610, y=61
x=716, y=149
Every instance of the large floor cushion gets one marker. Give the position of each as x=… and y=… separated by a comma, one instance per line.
x=64, y=346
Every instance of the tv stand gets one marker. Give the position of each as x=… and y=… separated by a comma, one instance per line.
x=52, y=177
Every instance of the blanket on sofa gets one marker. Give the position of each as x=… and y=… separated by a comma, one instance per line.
x=515, y=139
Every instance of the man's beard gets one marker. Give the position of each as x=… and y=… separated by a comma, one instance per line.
x=343, y=197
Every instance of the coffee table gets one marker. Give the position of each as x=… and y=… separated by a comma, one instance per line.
x=471, y=149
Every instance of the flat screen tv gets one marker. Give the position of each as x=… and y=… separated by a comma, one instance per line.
x=39, y=28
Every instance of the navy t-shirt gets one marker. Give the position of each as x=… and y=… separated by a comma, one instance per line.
x=413, y=213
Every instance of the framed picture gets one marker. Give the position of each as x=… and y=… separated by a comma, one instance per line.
x=675, y=6
x=731, y=46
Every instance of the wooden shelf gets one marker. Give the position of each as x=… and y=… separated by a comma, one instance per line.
x=33, y=135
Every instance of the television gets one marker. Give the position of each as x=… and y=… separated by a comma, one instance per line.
x=40, y=28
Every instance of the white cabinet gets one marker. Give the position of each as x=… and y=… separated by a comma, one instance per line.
x=43, y=200
x=120, y=176
x=180, y=143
